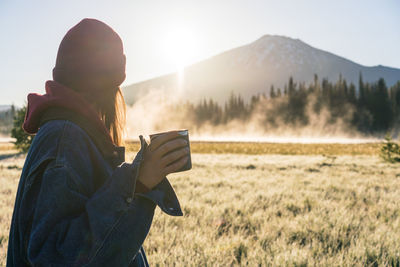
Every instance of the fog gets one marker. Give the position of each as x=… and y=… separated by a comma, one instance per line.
x=158, y=111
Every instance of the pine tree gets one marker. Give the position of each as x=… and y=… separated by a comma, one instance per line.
x=22, y=140
x=361, y=89
x=272, y=93
x=279, y=94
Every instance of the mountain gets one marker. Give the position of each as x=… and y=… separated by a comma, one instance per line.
x=253, y=68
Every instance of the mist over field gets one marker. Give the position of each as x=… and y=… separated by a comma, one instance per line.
x=159, y=111
x=145, y=117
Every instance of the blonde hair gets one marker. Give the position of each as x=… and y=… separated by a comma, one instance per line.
x=112, y=109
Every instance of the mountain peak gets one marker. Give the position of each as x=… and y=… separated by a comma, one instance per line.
x=278, y=44
x=275, y=51
x=276, y=38
x=269, y=60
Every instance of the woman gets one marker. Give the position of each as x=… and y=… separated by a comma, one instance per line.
x=78, y=202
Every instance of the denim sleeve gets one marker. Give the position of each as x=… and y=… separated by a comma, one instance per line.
x=162, y=194
x=69, y=228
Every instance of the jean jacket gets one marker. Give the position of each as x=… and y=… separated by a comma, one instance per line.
x=76, y=203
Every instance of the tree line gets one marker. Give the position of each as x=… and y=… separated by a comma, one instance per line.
x=6, y=120
x=373, y=108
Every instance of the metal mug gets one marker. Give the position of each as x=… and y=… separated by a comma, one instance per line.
x=184, y=134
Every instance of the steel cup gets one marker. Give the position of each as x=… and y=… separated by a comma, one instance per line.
x=184, y=134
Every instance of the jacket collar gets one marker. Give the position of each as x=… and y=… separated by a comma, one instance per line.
x=116, y=154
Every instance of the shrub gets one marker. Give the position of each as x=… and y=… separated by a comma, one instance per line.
x=390, y=150
x=22, y=139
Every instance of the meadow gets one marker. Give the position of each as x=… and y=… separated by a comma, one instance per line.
x=266, y=205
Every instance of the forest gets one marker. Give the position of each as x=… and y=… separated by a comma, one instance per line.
x=372, y=108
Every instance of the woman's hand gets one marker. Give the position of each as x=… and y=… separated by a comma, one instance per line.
x=157, y=163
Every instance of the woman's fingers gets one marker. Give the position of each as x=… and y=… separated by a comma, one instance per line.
x=173, y=156
x=159, y=140
x=176, y=165
x=171, y=145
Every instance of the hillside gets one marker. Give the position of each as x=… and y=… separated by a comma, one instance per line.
x=253, y=68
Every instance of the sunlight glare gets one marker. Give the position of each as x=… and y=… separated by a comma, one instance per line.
x=180, y=49
x=180, y=46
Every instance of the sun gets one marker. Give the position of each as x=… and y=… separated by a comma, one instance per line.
x=180, y=46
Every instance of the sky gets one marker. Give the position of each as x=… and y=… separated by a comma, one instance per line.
x=161, y=37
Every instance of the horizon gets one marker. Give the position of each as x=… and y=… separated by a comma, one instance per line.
x=161, y=38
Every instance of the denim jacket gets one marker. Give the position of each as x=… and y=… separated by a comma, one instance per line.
x=76, y=203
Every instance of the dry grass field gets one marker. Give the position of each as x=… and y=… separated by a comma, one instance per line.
x=267, y=205
x=254, y=148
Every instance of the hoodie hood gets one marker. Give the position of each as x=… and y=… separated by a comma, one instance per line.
x=58, y=95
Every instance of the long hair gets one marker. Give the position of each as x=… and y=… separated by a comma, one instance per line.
x=112, y=109
x=108, y=103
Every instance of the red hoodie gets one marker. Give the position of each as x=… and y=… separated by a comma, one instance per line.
x=58, y=95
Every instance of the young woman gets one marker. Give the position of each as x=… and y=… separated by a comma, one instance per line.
x=78, y=202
